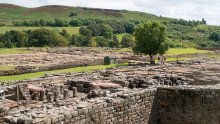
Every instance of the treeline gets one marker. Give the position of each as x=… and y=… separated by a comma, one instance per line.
x=48, y=38
x=64, y=23
x=191, y=23
x=32, y=38
x=41, y=22
x=102, y=35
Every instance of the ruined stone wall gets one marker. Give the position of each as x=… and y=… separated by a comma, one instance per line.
x=174, y=105
x=132, y=108
x=188, y=105
x=3, y=112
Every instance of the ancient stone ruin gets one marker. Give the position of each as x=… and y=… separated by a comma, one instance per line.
x=167, y=94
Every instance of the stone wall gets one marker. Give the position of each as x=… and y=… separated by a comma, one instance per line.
x=3, y=112
x=173, y=105
x=133, y=107
x=200, y=105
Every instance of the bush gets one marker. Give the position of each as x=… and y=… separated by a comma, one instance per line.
x=215, y=36
x=73, y=14
x=14, y=39
x=85, y=31
x=80, y=41
x=127, y=41
x=76, y=23
x=44, y=37
x=102, y=41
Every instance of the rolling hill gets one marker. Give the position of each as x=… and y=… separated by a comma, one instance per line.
x=179, y=32
x=10, y=12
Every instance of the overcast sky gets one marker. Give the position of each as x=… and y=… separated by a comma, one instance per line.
x=185, y=9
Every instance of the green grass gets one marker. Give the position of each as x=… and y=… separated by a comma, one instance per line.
x=13, y=51
x=119, y=36
x=122, y=50
x=174, y=59
x=70, y=30
x=70, y=70
x=6, y=68
x=171, y=51
x=179, y=51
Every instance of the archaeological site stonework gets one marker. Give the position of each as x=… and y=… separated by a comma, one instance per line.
x=190, y=105
x=197, y=105
x=186, y=93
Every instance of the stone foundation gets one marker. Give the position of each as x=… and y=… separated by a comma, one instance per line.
x=133, y=107
x=173, y=105
x=189, y=105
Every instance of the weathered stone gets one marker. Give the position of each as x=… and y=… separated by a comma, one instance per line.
x=55, y=93
x=42, y=95
x=49, y=97
x=74, y=91
x=66, y=93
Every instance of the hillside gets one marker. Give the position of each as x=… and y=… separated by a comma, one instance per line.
x=10, y=12
x=181, y=33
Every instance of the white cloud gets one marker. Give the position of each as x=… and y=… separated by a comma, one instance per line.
x=186, y=9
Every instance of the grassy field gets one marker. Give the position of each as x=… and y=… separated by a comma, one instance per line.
x=6, y=68
x=171, y=51
x=13, y=51
x=122, y=50
x=178, y=51
x=70, y=70
x=70, y=30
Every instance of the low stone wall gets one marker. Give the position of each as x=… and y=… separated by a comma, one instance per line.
x=81, y=63
x=173, y=105
x=133, y=107
x=3, y=112
x=198, y=105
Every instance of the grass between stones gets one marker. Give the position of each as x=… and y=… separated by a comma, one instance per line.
x=6, y=68
x=13, y=51
x=171, y=51
x=70, y=70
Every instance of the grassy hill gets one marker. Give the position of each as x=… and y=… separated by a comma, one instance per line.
x=10, y=12
x=179, y=34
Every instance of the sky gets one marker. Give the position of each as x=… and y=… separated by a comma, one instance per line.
x=181, y=9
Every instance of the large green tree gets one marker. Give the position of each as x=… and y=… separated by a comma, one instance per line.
x=150, y=39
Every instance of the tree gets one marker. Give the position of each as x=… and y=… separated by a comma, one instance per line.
x=14, y=39
x=73, y=14
x=60, y=22
x=45, y=37
x=42, y=22
x=127, y=41
x=117, y=26
x=129, y=28
x=106, y=31
x=75, y=22
x=65, y=34
x=101, y=30
x=115, y=42
x=95, y=28
x=102, y=41
x=85, y=31
x=215, y=36
x=203, y=21
x=150, y=39
x=80, y=40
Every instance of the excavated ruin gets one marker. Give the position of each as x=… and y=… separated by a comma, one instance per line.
x=125, y=94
